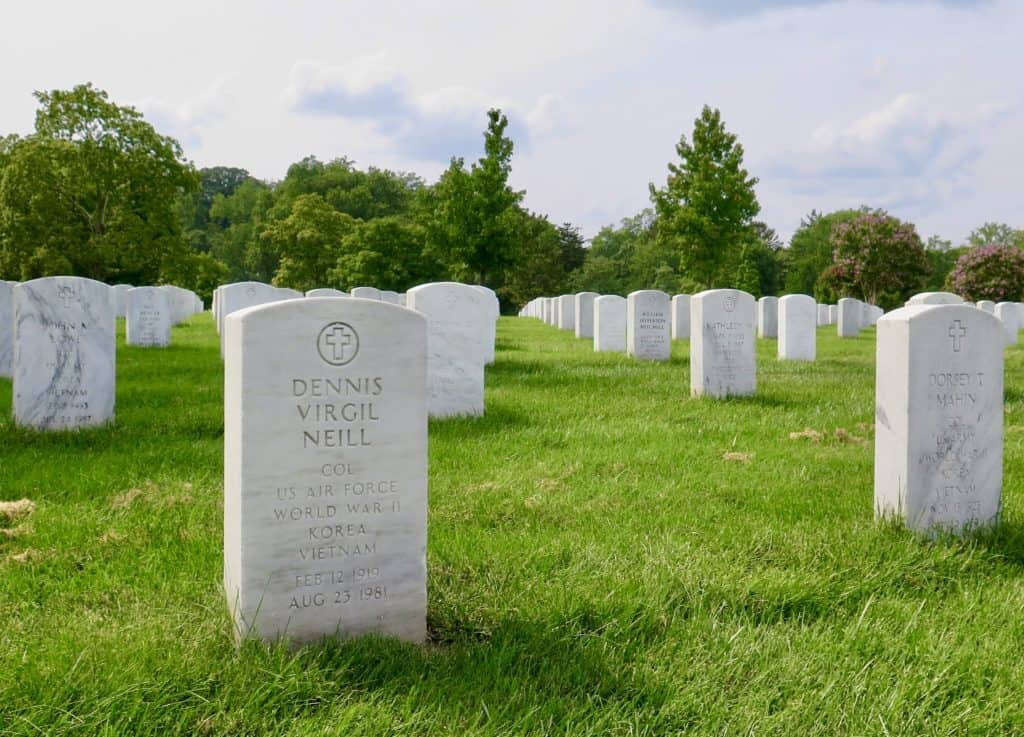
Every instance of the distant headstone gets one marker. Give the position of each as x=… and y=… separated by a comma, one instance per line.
x=366, y=293
x=987, y=305
x=63, y=353
x=681, y=317
x=722, y=328
x=833, y=314
x=389, y=296
x=768, y=317
x=567, y=312
x=6, y=327
x=648, y=325
x=848, y=323
x=325, y=470
x=934, y=298
x=583, y=309
x=493, y=306
x=610, y=323
x=457, y=327
x=1007, y=314
x=326, y=292
x=239, y=296
x=939, y=417
x=118, y=292
x=798, y=336
x=822, y=316
x=148, y=317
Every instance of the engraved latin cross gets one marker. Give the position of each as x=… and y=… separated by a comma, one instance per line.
x=957, y=332
x=338, y=339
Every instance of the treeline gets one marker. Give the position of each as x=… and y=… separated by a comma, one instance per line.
x=95, y=191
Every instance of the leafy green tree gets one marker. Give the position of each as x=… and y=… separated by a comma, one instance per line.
x=942, y=258
x=708, y=204
x=549, y=258
x=308, y=242
x=881, y=257
x=995, y=233
x=236, y=220
x=810, y=249
x=92, y=192
x=473, y=214
x=387, y=252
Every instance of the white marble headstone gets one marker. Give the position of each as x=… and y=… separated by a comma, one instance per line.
x=935, y=298
x=566, y=312
x=648, y=325
x=722, y=358
x=118, y=292
x=6, y=327
x=326, y=292
x=988, y=306
x=366, y=293
x=610, y=323
x=64, y=353
x=325, y=470
x=833, y=314
x=939, y=417
x=1007, y=314
x=148, y=314
x=583, y=309
x=457, y=321
x=768, y=317
x=494, y=307
x=240, y=295
x=681, y=317
x=822, y=315
x=798, y=334
x=849, y=318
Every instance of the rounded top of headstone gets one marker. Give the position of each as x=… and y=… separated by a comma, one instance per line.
x=609, y=298
x=935, y=298
x=796, y=298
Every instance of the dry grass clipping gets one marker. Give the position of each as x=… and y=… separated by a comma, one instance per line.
x=736, y=456
x=13, y=511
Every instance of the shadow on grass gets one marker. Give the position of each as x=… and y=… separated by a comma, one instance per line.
x=497, y=418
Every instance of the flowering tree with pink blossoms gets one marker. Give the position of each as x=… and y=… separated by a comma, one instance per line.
x=878, y=254
x=994, y=272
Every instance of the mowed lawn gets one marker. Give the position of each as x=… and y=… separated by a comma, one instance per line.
x=606, y=556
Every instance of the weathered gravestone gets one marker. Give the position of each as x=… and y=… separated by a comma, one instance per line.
x=681, y=317
x=722, y=327
x=6, y=327
x=325, y=470
x=148, y=317
x=457, y=326
x=848, y=321
x=610, y=323
x=583, y=308
x=798, y=336
x=939, y=417
x=768, y=317
x=63, y=353
x=648, y=325
x=326, y=292
x=1007, y=314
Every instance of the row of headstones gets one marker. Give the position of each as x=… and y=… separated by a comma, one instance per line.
x=462, y=322
x=1010, y=314
x=57, y=343
x=720, y=324
x=326, y=463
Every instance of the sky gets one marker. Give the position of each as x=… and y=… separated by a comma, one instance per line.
x=914, y=106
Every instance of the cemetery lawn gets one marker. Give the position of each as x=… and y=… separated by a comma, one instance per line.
x=606, y=557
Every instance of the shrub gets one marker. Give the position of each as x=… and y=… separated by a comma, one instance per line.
x=994, y=272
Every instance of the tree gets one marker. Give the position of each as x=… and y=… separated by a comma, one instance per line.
x=473, y=214
x=92, y=192
x=810, y=249
x=386, y=252
x=996, y=233
x=994, y=272
x=880, y=257
x=308, y=242
x=708, y=203
x=942, y=258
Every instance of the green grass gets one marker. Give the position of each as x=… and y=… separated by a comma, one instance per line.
x=597, y=564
